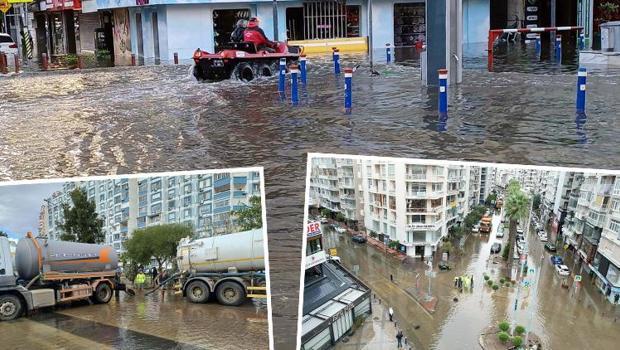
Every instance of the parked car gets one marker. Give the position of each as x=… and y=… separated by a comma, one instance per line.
x=359, y=238
x=7, y=45
x=340, y=229
x=550, y=247
x=556, y=260
x=324, y=220
x=496, y=248
x=562, y=270
x=476, y=228
x=444, y=266
x=543, y=237
x=499, y=233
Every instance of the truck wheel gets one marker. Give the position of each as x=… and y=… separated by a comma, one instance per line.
x=103, y=294
x=10, y=307
x=197, y=292
x=265, y=70
x=230, y=293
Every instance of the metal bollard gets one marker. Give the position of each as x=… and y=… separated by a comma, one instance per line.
x=582, y=74
x=45, y=61
x=80, y=63
x=302, y=66
x=336, y=58
x=558, y=47
x=388, y=53
x=16, y=60
x=443, y=91
x=176, y=58
x=133, y=59
x=294, y=91
x=348, y=95
x=582, y=41
x=538, y=46
x=282, y=81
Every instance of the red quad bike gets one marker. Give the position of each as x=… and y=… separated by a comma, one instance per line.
x=242, y=61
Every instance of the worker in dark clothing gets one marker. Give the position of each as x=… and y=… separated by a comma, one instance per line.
x=254, y=34
x=237, y=35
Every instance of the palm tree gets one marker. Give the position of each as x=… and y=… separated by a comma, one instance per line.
x=516, y=208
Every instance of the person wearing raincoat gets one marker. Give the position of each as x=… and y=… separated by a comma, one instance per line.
x=140, y=279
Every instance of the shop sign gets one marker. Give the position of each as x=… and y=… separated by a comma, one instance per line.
x=333, y=252
x=142, y=2
x=18, y=1
x=577, y=278
x=314, y=229
x=4, y=6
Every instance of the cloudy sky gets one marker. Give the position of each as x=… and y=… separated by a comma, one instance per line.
x=20, y=206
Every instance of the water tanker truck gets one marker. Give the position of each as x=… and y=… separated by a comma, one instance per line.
x=230, y=268
x=46, y=273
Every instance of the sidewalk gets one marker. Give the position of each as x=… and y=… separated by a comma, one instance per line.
x=377, y=332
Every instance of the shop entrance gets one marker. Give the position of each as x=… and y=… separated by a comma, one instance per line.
x=224, y=22
x=409, y=24
x=323, y=20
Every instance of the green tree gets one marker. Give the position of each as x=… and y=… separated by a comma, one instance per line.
x=516, y=208
x=156, y=242
x=448, y=248
x=490, y=199
x=251, y=216
x=536, y=201
x=81, y=221
x=340, y=217
x=326, y=212
x=3, y=234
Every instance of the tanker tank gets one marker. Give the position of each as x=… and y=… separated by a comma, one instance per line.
x=243, y=251
x=36, y=255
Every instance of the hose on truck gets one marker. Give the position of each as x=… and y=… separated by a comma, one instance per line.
x=161, y=284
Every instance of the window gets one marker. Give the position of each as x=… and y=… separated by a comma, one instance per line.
x=187, y=188
x=172, y=216
x=155, y=185
x=172, y=192
x=187, y=213
x=171, y=204
x=615, y=227
x=156, y=209
x=187, y=201
x=156, y=196
x=172, y=181
x=314, y=246
x=205, y=209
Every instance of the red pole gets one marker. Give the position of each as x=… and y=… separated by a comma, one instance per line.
x=2, y=64
x=133, y=59
x=45, y=61
x=16, y=58
x=176, y=58
x=79, y=62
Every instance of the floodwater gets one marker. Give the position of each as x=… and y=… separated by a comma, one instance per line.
x=562, y=318
x=157, y=118
x=158, y=321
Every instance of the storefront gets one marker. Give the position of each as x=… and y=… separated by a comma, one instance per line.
x=58, y=27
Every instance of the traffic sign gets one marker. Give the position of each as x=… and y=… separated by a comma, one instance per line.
x=333, y=252
x=4, y=6
x=577, y=278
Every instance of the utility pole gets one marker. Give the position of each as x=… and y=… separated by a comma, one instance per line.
x=370, y=53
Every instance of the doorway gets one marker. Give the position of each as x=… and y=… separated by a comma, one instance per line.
x=224, y=22
x=409, y=24
x=295, y=23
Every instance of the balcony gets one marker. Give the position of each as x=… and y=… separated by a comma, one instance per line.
x=418, y=226
x=424, y=195
x=454, y=178
x=415, y=177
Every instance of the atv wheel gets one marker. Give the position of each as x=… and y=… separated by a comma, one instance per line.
x=245, y=72
x=265, y=70
x=198, y=73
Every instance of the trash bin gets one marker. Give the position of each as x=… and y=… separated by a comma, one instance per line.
x=610, y=36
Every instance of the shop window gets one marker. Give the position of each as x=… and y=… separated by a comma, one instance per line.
x=353, y=20
x=409, y=24
x=323, y=20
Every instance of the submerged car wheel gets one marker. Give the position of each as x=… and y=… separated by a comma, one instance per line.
x=245, y=72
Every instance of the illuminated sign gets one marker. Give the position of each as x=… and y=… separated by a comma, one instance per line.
x=314, y=229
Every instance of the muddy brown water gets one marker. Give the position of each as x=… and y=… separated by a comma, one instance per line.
x=142, y=119
x=158, y=321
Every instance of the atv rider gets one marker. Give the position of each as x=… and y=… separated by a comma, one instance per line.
x=237, y=35
x=254, y=34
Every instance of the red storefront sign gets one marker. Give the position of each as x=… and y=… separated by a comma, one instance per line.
x=61, y=5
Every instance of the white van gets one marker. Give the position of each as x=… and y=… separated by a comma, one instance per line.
x=7, y=45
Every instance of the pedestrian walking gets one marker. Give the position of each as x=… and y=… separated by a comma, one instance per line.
x=391, y=278
x=471, y=282
x=616, y=298
x=456, y=282
x=153, y=275
x=399, y=338
x=391, y=313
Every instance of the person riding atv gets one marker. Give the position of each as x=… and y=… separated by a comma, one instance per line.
x=254, y=34
x=237, y=35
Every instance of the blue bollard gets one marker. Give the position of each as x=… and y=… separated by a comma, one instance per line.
x=302, y=66
x=336, y=58
x=388, y=53
x=538, y=46
x=294, y=91
x=282, y=81
x=558, y=47
x=348, y=96
x=582, y=41
x=582, y=74
x=443, y=92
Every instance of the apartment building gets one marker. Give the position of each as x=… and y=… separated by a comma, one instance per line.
x=203, y=201
x=555, y=190
x=335, y=184
x=415, y=204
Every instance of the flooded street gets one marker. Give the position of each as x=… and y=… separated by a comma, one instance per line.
x=561, y=318
x=139, y=119
x=158, y=321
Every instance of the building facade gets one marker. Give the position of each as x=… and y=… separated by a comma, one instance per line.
x=205, y=202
